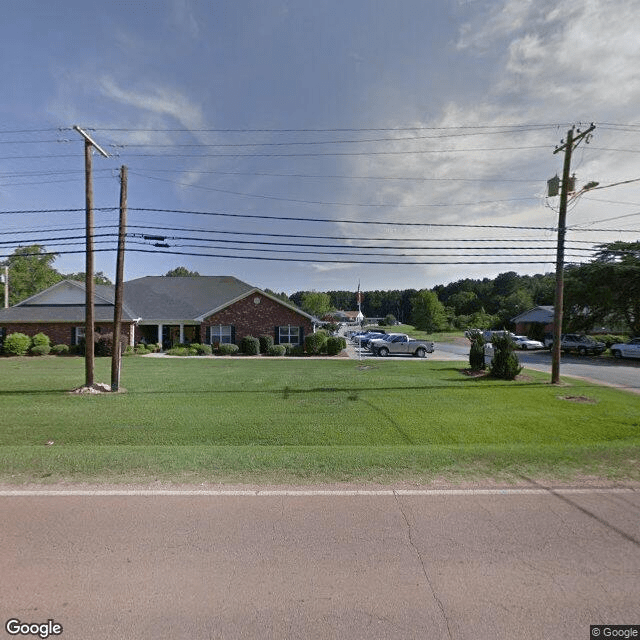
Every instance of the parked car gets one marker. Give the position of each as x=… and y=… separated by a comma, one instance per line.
x=629, y=349
x=488, y=335
x=524, y=343
x=401, y=344
x=579, y=343
x=365, y=340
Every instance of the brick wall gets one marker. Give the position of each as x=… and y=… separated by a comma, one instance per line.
x=251, y=319
x=59, y=332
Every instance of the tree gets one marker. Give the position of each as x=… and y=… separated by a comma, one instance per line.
x=98, y=277
x=316, y=304
x=605, y=291
x=428, y=313
x=181, y=272
x=30, y=271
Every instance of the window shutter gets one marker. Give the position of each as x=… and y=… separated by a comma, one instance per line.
x=207, y=335
x=73, y=336
x=233, y=334
x=276, y=334
x=302, y=335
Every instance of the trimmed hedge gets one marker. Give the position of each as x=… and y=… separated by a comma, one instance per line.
x=226, y=349
x=60, y=349
x=266, y=342
x=40, y=350
x=276, y=350
x=335, y=344
x=41, y=340
x=250, y=346
x=315, y=343
x=17, y=344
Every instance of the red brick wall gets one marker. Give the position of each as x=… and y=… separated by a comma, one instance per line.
x=59, y=332
x=251, y=319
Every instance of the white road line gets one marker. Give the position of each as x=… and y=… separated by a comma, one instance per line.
x=259, y=493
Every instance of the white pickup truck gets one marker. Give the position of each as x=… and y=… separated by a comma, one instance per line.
x=400, y=344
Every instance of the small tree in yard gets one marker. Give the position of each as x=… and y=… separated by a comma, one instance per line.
x=476, y=353
x=505, y=364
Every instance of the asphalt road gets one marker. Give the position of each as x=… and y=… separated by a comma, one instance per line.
x=458, y=565
x=620, y=373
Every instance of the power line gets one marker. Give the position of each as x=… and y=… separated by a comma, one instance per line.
x=333, y=204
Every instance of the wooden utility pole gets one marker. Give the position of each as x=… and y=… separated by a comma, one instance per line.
x=116, y=356
x=568, y=146
x=6, y=287
x=89, y=144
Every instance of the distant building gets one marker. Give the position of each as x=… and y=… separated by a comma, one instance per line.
x=538, y=317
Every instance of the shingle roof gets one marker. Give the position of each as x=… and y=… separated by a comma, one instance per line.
x=186, y=298
x=543, y=314
x=151, y=299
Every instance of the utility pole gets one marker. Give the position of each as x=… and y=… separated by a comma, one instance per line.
x=89, y=144
x=567, y=147
x=6, y=287
x=116, y=355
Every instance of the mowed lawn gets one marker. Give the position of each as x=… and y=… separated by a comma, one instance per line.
x=216, y=419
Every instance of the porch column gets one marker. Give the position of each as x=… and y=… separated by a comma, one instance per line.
x=160, y=327
x=181, y=334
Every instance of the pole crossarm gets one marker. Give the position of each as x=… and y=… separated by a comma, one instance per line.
x=90, y=140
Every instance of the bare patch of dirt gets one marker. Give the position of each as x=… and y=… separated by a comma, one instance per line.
x=579, y=399
x=474, y=373
x=98, y=387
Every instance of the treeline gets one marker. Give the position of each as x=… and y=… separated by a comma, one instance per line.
x=466, y=303
x=603, y=294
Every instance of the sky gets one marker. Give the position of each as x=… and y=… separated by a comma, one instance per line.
x=305, y=145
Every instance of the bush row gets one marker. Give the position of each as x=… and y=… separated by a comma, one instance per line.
x=19, y=344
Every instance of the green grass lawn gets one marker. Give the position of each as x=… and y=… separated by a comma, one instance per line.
x=213, y=419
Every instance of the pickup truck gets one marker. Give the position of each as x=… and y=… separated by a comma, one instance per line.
x=401, y=344
x=579, y=343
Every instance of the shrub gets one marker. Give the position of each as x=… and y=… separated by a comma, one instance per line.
x=202, y=349
x=40, y=350
x=505, y=364
x=335, y=344
x=128, y=351
x=16, y=344
x=250, y=346
x=266, y=342
x=60, y=349
x=141, y=350
x=176, y=351
x=314, y=343
x=276, y=350
x=389, y=320
x=41, y=340
x=476, y=353
x=226, y=349
x=609, y=339
x=104, y=345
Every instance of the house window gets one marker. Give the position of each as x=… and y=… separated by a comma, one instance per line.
x=289, y=335
x=79, y=335
x=221, y=334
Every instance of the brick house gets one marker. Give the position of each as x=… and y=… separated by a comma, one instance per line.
x=538, y=320
x=204, y=309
